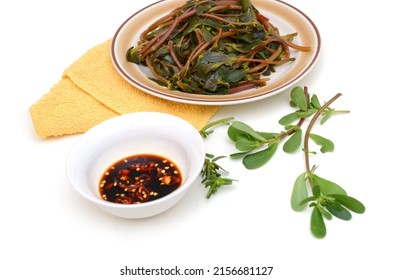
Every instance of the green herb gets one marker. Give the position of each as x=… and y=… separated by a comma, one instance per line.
x=256, y=148
x=213, y=47
x=328, y=199
x=212, y=173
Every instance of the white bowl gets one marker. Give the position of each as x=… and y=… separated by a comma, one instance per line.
x=131, y=134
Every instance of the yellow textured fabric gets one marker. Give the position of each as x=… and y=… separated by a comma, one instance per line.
x=92, y=91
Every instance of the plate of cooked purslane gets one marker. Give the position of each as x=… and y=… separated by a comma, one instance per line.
x=219, y=52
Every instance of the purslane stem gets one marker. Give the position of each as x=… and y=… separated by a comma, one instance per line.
x=217, y=122
x=308, y=131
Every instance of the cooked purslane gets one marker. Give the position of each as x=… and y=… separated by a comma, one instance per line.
x=213, y=47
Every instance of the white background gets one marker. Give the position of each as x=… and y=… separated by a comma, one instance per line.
x=49, y=232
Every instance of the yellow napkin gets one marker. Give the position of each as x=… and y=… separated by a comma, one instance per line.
x=92, y=91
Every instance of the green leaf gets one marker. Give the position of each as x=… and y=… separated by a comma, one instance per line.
x=325, y=213
x=290, y=118
x=326, y=117
x=326, y=144
x=238, y=155
x=337, y=210
x=238, y=128
x=133, y=56
x=214, y=57
x=235, y=76
x=327, y=187
x=299, y=98
x=349, y=202
x=293, y=105
x=245, y=144
x=308, y=199
x=315, y=101
x=234, y=133
x=293, y=143
x=316, y=191
x=207, y=36
x=299, y=193
x=258, y=159
x=318, y=227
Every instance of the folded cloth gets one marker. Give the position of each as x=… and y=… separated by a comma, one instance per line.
x=92, y=91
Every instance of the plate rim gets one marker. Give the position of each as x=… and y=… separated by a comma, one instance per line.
x=193, y=99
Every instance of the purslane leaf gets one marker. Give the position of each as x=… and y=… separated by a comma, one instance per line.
x=233, y=133
x=299, y=193
x=238, y=155
x=308, y=199
x=235, y=76
x=349, y=202
x=288, y=119
x=326, y=144
x=316, y=191
x=294, y=142
x=327, y=187
x=245, y=144
x=338, y=211
x=318, y=227
x=298, y=97
x=325, y=213
x=241, y=127
x=315, y=101
x=258, y=159
x=326, y=117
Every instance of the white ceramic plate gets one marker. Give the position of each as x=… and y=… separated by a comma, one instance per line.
x=284, y=16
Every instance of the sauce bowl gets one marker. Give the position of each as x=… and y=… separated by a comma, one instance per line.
x=132, y=134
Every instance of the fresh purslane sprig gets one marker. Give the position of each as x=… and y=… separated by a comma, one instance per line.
x=256, y=148
x=212, y=173
x=328, y=199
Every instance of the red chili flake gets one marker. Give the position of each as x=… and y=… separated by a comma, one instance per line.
x=170, y=180
x=124, y=172
x=124, y=200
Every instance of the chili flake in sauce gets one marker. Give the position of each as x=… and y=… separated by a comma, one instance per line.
x=140, y=178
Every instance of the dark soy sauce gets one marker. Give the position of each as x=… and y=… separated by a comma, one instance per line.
x=140, y=178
